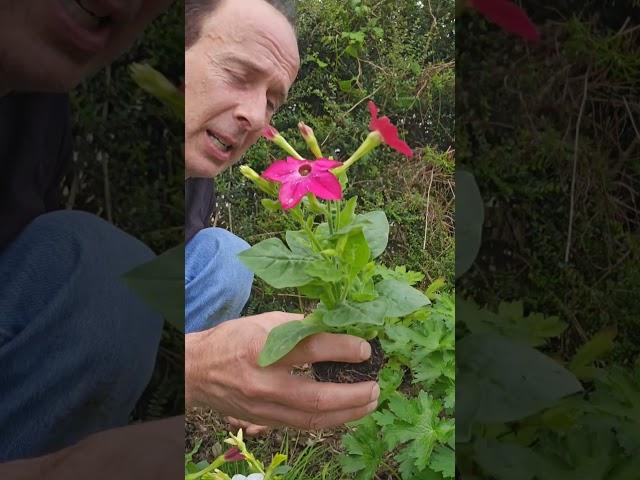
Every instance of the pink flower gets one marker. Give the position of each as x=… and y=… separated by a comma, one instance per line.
x=387, y=131
x=233, y=455
x=508, y=16
x=299, y=177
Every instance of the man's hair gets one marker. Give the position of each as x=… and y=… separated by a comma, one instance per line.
x=196, y=10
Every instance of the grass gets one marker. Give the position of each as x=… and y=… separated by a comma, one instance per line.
x=523, y=144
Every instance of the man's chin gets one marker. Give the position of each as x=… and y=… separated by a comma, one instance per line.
x=203, y=168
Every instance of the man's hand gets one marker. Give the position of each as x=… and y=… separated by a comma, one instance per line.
x=147, y=450
x=222, y=372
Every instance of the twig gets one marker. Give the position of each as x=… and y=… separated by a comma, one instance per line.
x=575, y=165
x=349, y=111
x=633, y=123
x=426, y=215
x=105, y=158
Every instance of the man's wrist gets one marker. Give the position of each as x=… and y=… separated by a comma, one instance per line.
x=191, y=374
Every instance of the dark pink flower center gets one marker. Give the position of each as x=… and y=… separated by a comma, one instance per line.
x=304, y=170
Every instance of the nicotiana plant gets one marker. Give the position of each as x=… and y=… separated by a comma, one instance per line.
x=332, y=257
x=238, y=452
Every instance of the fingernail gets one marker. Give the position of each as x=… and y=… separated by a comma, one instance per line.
x=372, y=406
x=375, y=392
x=365, y=350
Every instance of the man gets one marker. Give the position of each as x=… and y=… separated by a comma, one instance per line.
x=241, y=58
x=77, y=348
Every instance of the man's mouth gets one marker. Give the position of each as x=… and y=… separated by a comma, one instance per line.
x=218, y=143
x=85, y=15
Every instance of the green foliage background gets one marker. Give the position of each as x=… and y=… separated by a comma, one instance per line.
x=400, y=54
x=128, y=168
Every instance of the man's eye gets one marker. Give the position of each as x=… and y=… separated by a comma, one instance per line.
x=271, y=105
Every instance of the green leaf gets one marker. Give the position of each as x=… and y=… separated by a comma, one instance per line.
x=598, y=346
x=401, y=298
x=283, y=338
x=160, y=283
x=375, y=227
x=324, y=270
x=365, y=450
x=345, y=85
x=510, y=321
x=443, y=460
x=356, y=251
x=299, y=243
x=347, y=213
x=417, y=424
x=508, y=380
x=273, y=262
x=469, y=220
x=349, y=313
x=271, y=205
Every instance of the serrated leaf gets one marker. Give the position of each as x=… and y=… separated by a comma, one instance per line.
x=443, y=460
x=365, y=450
x=594, y=349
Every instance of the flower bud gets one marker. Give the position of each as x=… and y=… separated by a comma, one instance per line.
x=270, y=133
x=233, y=455
x=310, y=139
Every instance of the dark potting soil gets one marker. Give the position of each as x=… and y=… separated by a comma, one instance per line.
x=342, y=372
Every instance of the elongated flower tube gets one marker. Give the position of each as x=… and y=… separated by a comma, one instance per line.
x=270, y=133
x=382, y=131
x=156, y=84
x=297, y=178
x=262, y=184
x=309, y=137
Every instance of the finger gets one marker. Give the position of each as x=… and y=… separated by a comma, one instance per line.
x=305, y=394
x=324, y=347
x=274, y=414
x=257, y=430
x=250, y=429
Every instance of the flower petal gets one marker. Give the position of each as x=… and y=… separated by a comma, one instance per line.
x=373, y=110
x=269, y=132
x=283, y=170
x=508, y=16
x=325, y=164
x=325, y=185
x=291, y=193
x=390, y=136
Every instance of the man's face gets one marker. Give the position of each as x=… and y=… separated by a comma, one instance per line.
x=237, y=74
x=52, y=45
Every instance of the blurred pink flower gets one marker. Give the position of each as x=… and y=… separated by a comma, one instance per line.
x=299, y=177
x=233, y=455
x=269, y=132
x=387, y=131
x=508, y=16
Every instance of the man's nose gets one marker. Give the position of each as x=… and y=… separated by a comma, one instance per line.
x=251, y=111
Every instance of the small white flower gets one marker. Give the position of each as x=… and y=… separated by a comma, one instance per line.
x=253, y=476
